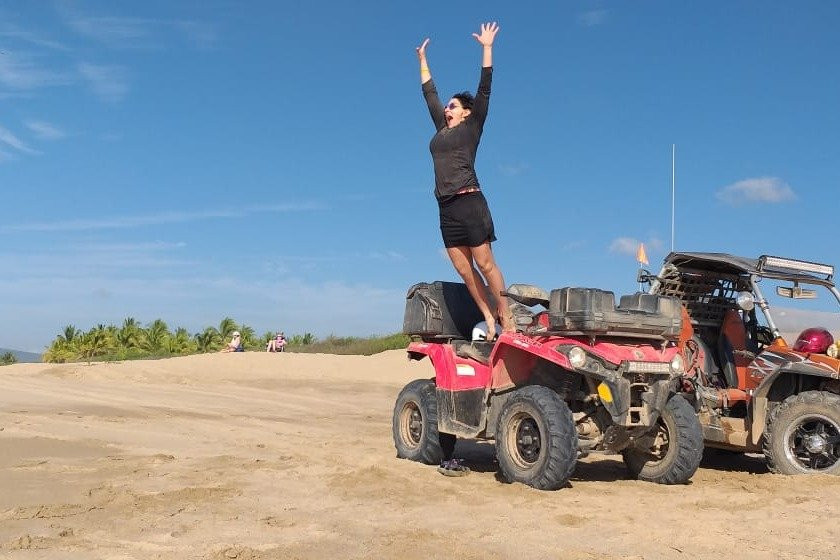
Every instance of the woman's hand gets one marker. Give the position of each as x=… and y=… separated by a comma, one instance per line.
x=421, y=50
x=488, y=33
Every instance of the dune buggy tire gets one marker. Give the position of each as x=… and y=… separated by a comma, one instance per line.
x=803, y=435
x=536, y=439
x=679, y=428
x=415, y=425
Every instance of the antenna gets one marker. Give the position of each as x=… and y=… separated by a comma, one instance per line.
x=673, y=190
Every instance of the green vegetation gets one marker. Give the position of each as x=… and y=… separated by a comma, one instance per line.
x=352, y=345
x=132, y=341
x=7, y=359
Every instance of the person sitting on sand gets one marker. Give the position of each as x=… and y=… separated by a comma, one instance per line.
x=234, y=345
x=276, y=344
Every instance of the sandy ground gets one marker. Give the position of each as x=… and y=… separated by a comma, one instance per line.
x=259, y=456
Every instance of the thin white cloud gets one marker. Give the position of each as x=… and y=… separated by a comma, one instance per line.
x=572, y=245
x=21, y=71
x=625, y=246
x=386, y=256
x=202, y=35
x=142, y=33
x=107, y=82
x=654, y=244
x=114, y=31
x=630, y=245
x=9, y=139
x=592, y=18
x=130, y=247
x=513, y=170
x=770, y=190
x=45, y=130
x=12, y=32
x=124, y=222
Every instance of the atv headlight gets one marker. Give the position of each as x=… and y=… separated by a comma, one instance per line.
x=677, y=364
x=832, y=351
x=577, y=357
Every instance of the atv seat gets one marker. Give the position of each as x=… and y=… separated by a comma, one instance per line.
x=734, y=350
x=528, y=295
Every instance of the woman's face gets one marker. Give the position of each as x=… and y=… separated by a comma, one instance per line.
x=455, y=113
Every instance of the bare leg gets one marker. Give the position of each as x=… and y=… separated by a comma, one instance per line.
x=483, y=255
x=462, y=258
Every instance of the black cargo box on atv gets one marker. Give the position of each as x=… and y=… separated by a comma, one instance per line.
x=440, y=310
x=593, y=311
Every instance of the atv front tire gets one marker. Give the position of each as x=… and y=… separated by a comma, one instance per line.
x=415, y=425
x=675, y=446
x=803, y=435
x=536, y=439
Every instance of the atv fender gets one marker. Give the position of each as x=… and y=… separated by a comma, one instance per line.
x=802, y=371
x=461, y=387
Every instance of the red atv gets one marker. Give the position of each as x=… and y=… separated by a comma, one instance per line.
x=580, y=376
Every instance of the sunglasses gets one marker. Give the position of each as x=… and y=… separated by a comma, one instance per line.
x=452, y=106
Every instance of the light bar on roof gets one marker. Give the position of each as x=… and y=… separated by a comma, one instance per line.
x=801, y=266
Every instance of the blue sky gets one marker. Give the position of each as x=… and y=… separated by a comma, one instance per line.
x=268, y=161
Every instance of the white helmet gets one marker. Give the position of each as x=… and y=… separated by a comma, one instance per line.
x=479, y=331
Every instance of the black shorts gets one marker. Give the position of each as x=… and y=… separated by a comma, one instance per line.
x=465, y=221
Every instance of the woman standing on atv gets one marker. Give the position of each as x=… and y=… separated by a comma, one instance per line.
x=465, y=220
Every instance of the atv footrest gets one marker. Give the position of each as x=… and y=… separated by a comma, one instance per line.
x=478, y=351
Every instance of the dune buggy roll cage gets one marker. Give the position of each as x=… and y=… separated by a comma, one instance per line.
x=708, y=283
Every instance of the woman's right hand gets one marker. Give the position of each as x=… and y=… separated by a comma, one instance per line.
x=421, y=50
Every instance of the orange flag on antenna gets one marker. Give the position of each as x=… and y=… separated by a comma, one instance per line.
x=641, y=256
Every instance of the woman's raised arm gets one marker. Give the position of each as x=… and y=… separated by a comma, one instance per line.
x=425, y=75
x=429, y=90
x=486, y=38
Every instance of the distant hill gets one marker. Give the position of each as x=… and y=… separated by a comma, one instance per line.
x=28, y=357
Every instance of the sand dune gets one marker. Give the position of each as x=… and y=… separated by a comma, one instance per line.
x=262, y=456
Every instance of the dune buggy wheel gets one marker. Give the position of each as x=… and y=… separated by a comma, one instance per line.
x=536, y=439
x=803, y=435
x=415, y=425
x=671, y=453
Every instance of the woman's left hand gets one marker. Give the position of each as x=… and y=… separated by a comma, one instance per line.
x=488, y=33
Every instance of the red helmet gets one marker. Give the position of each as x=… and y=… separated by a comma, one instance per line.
x=814, y=341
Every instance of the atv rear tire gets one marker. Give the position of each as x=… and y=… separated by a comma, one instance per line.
x=676, y=447
x=536, y=439
x=803, y=435
x=415, y=425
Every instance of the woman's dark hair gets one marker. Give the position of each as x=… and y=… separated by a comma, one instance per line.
x=466, y=99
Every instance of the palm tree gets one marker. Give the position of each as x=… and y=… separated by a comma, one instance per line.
x=208, y=340
x=180, y=342
x=156, y=335
x=247, y=334
x=130, y=334
x=226, y=328
x=268, y=335
x=94, y=343
x=70, y=334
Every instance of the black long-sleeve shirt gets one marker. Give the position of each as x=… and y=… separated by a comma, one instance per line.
x=453, y=149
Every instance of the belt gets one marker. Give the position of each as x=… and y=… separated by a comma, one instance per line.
x=466, y=190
